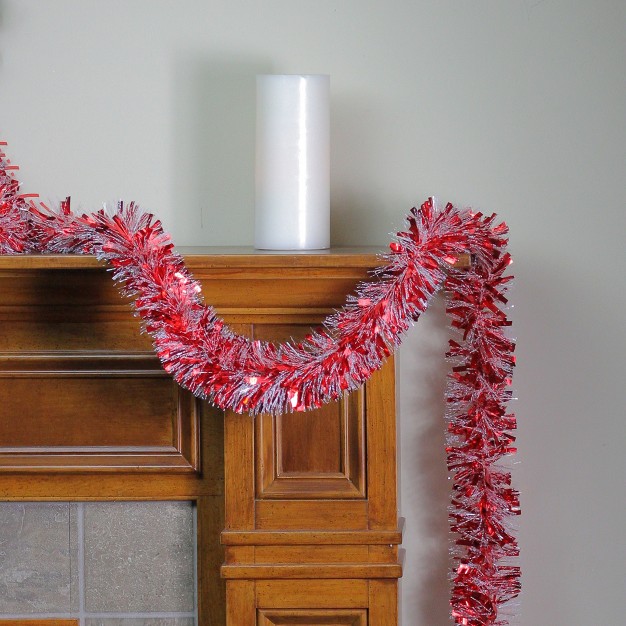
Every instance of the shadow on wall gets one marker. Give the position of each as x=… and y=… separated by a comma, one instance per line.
x=6, y=14
x=212, y=152
x=425, y=488
x=362, y=200
x=2, y=22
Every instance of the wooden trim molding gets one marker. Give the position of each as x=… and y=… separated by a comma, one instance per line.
x=312, y=617
x=345, y=444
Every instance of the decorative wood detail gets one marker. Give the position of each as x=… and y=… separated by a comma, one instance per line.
x=311, y=553
x=318, y=514
x=336, y=537
x=312, y=617
x=126, y=483
x=317, y=454
x=310, y=594
x=383, y=603
x=240, y=603
x=382, y=452
x=96, y=413
x=82, y=382
x=318, y=571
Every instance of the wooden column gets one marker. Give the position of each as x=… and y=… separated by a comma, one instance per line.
x=311, y=527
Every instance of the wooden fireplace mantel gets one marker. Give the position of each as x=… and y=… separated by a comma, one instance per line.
x=297, y=514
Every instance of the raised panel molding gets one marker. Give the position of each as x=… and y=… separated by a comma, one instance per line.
x=80, y=387
x=317, y=454
x=87, y=411
x=312, y=617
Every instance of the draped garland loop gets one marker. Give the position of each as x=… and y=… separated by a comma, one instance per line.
x=203, y=355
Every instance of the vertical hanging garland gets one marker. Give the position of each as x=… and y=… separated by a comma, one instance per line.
x=206, y=357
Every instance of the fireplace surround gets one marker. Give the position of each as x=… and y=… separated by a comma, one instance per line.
x=296, y=514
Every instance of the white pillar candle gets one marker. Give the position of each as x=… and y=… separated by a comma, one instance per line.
x=292, y=162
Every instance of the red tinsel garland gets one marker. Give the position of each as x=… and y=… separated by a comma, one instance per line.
x=205, y=356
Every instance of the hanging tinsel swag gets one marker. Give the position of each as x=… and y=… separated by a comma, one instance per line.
x=205, y=356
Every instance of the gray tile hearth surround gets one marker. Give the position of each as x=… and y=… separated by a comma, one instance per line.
x=104, y=563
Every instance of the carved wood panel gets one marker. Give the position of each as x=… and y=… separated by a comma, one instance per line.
x=80, y=388
x=78, y=412
x=315, y=454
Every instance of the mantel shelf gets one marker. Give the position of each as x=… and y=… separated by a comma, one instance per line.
x=207, y=257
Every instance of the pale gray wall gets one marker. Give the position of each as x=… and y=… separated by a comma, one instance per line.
x=509, y=106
